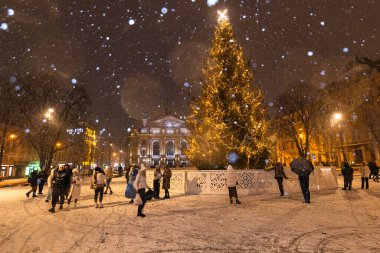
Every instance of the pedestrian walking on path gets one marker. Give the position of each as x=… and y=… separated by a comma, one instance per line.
x=231, y=180
x=156, y=182
x=98, y=183
x=33, y=182
x=69, y=173
x=109, y=175
x=60, y=183
x=364, y=173
x=279, y=175
x=130, y=191
x=50, y=186
x=303, y=168
x=348, y=175
x=42, y=176
x=76, y=185
x=140, y=185
x=166, y=181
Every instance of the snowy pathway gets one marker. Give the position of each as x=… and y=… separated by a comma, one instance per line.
x=336, y=221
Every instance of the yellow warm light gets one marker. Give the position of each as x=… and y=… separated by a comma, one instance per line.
x=51, y=110
x=222, y=15
x=58, y=144
x=12, y=136
x=338, y=116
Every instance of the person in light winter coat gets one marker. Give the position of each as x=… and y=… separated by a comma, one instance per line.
x=364, y=173
x=156, y=182
x=231, y=180
x=109, y=175
x=76, y=182
x=98, y=183
x=140, y=185
x=50, y=186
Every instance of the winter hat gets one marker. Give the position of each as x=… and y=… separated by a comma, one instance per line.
x=229, y=167
x=98, y=169
x=75, y=170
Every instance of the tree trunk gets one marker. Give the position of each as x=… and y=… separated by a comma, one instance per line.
x=3, y=140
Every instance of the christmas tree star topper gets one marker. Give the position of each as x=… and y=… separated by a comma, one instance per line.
x=222, y=15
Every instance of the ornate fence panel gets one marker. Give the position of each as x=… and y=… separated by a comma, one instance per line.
x=194, y=181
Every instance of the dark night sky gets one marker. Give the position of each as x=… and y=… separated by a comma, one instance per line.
x=145, y=55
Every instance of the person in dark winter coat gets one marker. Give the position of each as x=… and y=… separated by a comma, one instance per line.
x=156, y=182
x=69, y=173
x=279, y=175
x=127, y=171
x=43, y=175
x=374, y=171
x=60, y=182
x=166, y=181
x=348, y=175
x=303, y=176
x=32, y=180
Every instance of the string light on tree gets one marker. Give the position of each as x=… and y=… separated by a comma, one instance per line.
x=228, y=120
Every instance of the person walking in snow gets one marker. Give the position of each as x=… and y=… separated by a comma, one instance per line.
x=348, y=175
x=50, y=186
x=279, y=175
x=42, y=176
x=231, y=180
x=98, y=183
x=303, y=168
x=76, y=182
x=130, y=191
x=69, y=173
x=166, y=181
x=364, y=173
x=156, y=182
x=60, y=183
x=33, y=182
x=109, y=175
x=140, y=185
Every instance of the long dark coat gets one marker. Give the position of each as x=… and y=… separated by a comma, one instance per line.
x=166, y=179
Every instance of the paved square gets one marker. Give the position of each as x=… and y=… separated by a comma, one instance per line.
x=336, y=221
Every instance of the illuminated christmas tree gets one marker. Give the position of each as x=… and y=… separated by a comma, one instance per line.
x=229, y=117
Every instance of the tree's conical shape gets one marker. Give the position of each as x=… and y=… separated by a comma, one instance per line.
x=229, y=116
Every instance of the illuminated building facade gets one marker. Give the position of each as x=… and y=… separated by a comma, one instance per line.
x=161, y=142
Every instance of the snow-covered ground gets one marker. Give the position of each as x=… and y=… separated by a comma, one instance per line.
x=335, y=221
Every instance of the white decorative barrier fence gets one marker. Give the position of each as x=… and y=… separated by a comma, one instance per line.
x=192, y=181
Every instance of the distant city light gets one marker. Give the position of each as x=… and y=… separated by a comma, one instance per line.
x=11, y=12
x=164, y=10
x=345, y=50
x=310, y=53
x=131, y=22
x=4, y=26
x=74, y=81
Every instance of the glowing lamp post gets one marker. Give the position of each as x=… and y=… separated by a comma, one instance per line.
x=337, y=118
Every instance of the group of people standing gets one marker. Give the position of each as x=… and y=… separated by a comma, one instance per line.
x=367, y=171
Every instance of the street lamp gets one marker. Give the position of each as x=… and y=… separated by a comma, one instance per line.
x=337, y=118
